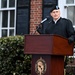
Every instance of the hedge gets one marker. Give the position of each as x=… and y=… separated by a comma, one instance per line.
x=12, y=57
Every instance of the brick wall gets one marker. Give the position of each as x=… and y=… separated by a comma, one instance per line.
x=35, y=14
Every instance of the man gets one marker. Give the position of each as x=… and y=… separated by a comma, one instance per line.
x=59, y=26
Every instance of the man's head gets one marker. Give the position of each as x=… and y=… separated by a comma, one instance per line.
x=55, y=12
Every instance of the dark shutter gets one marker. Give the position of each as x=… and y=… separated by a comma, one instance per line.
x=47, y=5
x=23, y=17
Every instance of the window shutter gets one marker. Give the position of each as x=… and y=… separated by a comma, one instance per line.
x=23, y=10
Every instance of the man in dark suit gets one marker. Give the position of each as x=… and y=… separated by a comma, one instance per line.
x=58, y=25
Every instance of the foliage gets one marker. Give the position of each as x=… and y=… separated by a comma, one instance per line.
x=12, y=57
x=70, y=70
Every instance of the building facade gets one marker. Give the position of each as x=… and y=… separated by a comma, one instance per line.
x=19, y=17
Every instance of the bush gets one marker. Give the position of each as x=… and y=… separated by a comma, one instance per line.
x=12, y=57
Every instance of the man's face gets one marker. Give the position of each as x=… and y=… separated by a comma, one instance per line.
x=55, y=14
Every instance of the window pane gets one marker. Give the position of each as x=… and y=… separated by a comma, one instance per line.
x=71, y=14
x=11, y=3
x=3, y=3
x=69, y=1
x=11, y=32
x=4, y=18
x=12, y=18
x=4, y=33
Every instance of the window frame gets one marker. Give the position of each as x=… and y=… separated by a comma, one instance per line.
x=67, y=5
x=8, y=28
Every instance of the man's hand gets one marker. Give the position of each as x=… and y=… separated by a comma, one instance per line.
x=70, y=40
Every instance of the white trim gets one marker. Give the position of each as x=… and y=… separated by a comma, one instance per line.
x=2, y=9
x=69, y=5
x=15, y=17
x=0, y=4
x=7, y=3
x=62, y=9
x=8, y=23
x=1, y=25
x=8, y=27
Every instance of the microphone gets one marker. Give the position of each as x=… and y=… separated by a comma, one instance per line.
x=47, y=18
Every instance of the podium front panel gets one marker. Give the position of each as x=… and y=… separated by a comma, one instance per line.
x=47, y=44
x=38, y=45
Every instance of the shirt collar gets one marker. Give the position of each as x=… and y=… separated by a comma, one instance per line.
x=55, y=21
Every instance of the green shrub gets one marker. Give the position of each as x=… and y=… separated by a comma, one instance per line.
x=12, y=57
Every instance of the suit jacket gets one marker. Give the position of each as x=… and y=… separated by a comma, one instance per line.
x=62, y=27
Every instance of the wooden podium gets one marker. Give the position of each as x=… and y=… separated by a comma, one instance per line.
x=48, y=53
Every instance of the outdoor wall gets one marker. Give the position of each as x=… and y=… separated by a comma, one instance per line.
x=35, y=14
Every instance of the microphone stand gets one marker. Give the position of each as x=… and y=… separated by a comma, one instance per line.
x=40, y=24
x=36, y=29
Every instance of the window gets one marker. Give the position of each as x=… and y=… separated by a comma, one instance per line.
x=69, y=1
x=70, y=4
x=3, y=3
x=70, y=13
x=7, y=18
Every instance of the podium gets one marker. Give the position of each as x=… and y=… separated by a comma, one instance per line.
x=48, y=53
